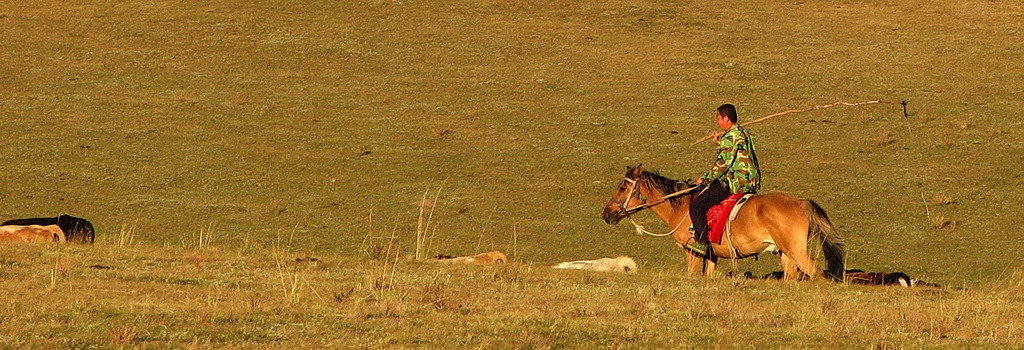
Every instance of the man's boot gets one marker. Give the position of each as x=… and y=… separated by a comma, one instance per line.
x=698, y=246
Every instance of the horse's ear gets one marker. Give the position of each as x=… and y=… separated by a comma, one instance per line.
x=634, y=171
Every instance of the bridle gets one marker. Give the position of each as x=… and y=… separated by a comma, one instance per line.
x=627, y=212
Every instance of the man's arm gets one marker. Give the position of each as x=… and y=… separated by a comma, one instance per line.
x=726, y=154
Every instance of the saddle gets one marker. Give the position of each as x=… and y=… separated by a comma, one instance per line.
x=722, y=213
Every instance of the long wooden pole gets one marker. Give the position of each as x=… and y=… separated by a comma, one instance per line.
x=770, y=116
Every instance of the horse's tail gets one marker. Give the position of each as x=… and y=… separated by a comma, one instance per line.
x=821, y=228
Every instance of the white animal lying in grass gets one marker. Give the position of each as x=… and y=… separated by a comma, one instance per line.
x=620, y=264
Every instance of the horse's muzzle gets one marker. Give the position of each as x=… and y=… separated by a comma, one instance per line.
x=611, y=216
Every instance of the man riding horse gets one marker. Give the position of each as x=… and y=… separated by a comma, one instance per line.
x=771, y=222
x=735, y=171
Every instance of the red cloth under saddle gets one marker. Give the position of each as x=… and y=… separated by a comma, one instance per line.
x=718, y=216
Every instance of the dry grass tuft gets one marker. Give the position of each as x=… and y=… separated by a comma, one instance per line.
x=361, y=150
x=439, y=295
x=124, y=335
x=830, y=305
x=255, y=302
x=198, y=260
x=943, y=199
x=342, y=297
x=425, y=203
x=126, y=235
x=885, y=137
x=183, y=97
x=386, y=308
x=58, y=272
x=205, y=237
x=376, y=249
x=940, y=221
x=509, y=273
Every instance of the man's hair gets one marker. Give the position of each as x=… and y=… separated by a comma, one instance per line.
x=728, y=110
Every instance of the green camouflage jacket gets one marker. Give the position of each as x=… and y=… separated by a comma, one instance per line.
x=736, y=165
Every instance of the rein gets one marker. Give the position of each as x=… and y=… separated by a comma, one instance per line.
x=640, y=229
x=633, y=210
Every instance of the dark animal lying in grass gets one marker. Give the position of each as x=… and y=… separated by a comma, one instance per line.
x=861, y=277
x=885, y=279
x=75, y=229
x=878, y=278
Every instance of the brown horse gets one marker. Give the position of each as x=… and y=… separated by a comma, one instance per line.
x=773, y=222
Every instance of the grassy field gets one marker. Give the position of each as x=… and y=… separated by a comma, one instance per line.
x=278, y=130
x=138, y=296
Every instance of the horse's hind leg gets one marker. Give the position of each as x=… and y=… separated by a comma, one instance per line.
x=794, y=247
x=789, y=268
x=807, y=265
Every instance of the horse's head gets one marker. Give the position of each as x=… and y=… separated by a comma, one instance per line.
x=627, y=194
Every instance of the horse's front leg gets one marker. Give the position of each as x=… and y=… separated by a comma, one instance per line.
x=694, y=264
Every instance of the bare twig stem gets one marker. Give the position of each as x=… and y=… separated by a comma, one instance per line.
x=927, y=211
x=420, y=224
x=770, y=116
x=515, y=238
x=430, y=217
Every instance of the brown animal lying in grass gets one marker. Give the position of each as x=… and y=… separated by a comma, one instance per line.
x=621, y=264
x=490, y=258
x=75, y=229
x=866, y=278
x=32, y=233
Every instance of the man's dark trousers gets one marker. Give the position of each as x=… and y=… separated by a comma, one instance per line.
x=714, y=194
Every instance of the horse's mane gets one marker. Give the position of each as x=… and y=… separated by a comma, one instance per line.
x=667, y=185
